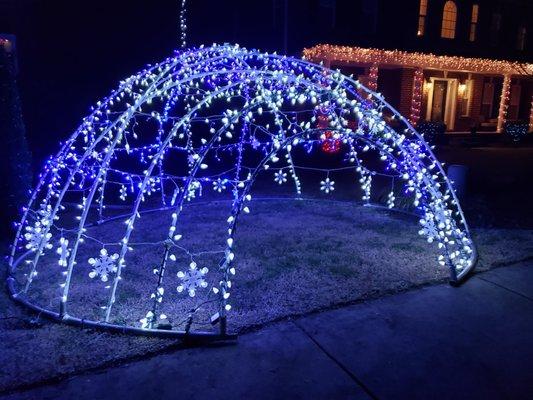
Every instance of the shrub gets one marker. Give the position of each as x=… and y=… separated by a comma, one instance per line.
x=433, y=132
x=516, y=131
x=15, y=157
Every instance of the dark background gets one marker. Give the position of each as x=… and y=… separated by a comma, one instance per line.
x=71, y=53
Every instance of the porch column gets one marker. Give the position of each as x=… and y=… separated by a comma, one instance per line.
x=504, y=102
x=373, y=77
x=416, y=98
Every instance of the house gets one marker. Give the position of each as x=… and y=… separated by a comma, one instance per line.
x=441, y=61
x=447, y=65
x=462, y=92
x=442, y=58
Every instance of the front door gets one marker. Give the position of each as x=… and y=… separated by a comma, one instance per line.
x=438, y=110
x=442, y=99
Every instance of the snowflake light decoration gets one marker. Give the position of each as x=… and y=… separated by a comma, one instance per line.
x=255, y=143
x=36, y=236
x=103, y=266
x=429, y=229
x=219, y=185
x=63, y=252
x=192, y=279
x=280, y=177
x=327, y=185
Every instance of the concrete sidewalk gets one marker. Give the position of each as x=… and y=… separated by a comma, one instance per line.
x=439, y=342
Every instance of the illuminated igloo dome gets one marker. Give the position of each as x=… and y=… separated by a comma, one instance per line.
x=210, y=119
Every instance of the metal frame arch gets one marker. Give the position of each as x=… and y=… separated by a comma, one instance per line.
x=273, y=80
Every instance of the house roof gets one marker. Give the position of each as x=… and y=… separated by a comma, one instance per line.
x=352, y=55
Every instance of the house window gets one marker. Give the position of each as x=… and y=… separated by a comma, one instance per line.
x=521, y=39
x=422, y=17
x=495, y=28
x=473, y=22
x=449, y=19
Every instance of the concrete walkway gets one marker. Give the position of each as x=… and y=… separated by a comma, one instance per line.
x=439, y=342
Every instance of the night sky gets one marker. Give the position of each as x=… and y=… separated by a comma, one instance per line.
x=71, y=55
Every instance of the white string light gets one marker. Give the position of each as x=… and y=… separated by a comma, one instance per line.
x=183, y=24
x=216, y=109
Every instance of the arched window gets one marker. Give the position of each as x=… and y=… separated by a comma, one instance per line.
x=473, y=22
x=422, y=17
x=449, y=19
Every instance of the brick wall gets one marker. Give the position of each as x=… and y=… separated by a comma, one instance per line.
x=406, y=91
x=477, y=93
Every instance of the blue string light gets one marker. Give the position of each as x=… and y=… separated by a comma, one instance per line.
x=213, y=118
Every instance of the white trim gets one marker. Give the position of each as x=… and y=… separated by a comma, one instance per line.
x=469, y=94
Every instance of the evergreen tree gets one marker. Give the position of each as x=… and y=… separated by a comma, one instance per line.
x=15, y=157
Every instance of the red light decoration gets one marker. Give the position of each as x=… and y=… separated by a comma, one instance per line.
x=330, y=144
x=373, y=78
x=416, y=100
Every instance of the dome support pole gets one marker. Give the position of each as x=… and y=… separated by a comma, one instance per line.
x=158, y=297
x=187, y=337
x=70, y=268
x=142, y=187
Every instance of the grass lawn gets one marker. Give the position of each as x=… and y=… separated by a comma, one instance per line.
x=292, y=257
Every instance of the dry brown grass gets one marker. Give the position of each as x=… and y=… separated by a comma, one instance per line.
x=292, y=257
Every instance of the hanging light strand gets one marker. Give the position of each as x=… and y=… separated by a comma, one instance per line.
x=183, y=24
